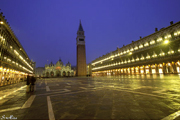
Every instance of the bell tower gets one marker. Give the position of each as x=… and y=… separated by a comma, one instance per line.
x=81, y=52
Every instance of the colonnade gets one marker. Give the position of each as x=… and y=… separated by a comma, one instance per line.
x=161, y=68
x=10, y=76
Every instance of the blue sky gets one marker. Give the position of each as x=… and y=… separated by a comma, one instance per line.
x=47, y=28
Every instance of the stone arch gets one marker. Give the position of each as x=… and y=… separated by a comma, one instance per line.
x=58, y=73
x=52, y=74
x=72, y=73
x=64, y=73
x=47, y=74
x=68, y=73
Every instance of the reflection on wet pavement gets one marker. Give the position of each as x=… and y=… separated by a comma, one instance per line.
x=111, y=97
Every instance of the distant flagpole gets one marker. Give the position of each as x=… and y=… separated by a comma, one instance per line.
x=47, y=61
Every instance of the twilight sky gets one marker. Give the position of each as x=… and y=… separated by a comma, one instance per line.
x=47, y=28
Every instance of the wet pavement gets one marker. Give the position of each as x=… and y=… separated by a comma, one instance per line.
x=135, y=97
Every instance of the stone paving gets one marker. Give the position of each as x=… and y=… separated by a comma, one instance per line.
x=125, y=97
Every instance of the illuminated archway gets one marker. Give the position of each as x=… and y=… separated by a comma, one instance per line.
x=47, y=74
x=52, y=74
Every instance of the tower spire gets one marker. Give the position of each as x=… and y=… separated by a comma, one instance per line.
x=80, y=26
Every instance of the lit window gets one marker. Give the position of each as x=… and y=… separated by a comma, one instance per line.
x=128, y=50
x=132, y=49
x=136, y=48
x=148, y=56
x=159, y=39
x=141, y=46
x=162, y=53
x=129, y=61
x=137, y=59
x=142, y=57
x=146, y=44
x=152, y=42
x=154, y=55
x=175, y=34
x=124, y=52
x=121, y=53
x=167, y=36
x=170, y=51
x=132, y=60
x=125, y=61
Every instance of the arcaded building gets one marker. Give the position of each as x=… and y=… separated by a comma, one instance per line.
x=58, y=69
x=157, y=53
x=15, y=64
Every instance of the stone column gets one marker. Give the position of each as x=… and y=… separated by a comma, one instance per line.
x=150, y=70
x=130, y=70
x=134, y=70
x=0, y=78
x=164, y=69
x=139, y=70
x=144, y=69
x=157, y=69
x=174, y=66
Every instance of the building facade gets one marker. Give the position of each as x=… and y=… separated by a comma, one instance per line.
x=39, y=72
x=58, y=69
x=81, y=52
x=158, y=53
x=15, y=64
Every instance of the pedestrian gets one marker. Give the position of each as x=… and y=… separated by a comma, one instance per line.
x=28, y=83
x=33, y=80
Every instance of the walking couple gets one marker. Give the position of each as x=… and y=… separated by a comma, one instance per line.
x=30, y=83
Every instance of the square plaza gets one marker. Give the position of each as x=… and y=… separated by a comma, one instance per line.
x=114, y=97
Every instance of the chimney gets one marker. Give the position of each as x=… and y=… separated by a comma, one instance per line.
x=171, y=22
x=140, y=37
x=156, y=29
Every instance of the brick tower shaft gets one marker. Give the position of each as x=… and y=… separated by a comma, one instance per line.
x=81, y=52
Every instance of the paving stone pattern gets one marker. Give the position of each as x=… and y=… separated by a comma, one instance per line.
x=125, y=97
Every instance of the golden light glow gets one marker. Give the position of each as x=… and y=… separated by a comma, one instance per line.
x=129, y=61
x=136, y=48
x=154, y=55
x=146, y=44
x=131, y=49
x=152, y=42
x=148, y=57
x=132, y=60
x=159, y=39
x=1, y=22
x=171, y=52
x=166, y=41
x=162, y=54
x=1, y=68
x=141, y=46
x=137, y=59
